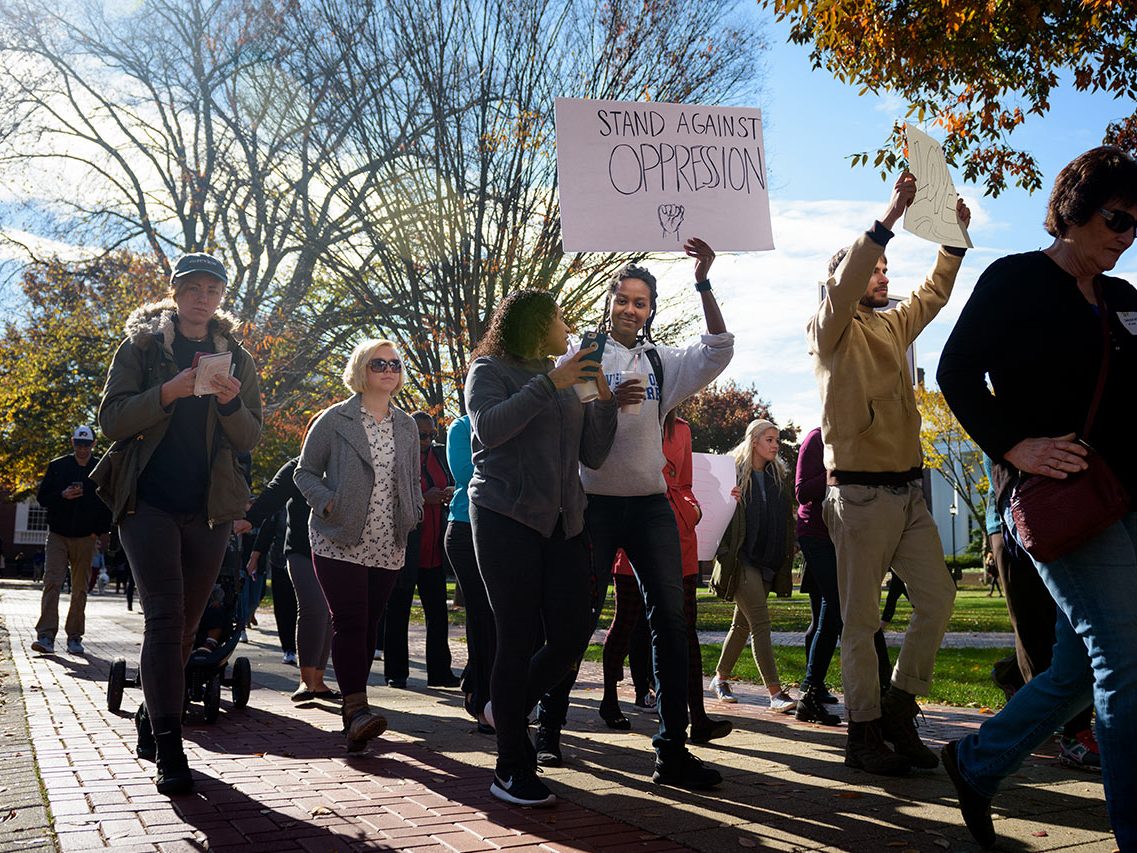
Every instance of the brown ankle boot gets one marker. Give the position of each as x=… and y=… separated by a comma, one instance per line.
x=361, y=724
x=866, y=750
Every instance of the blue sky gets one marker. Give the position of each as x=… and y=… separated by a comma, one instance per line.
x=811, y=123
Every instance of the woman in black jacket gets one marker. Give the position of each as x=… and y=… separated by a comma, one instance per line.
x=1042, y=326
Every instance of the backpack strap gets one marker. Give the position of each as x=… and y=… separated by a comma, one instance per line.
x=657, y=367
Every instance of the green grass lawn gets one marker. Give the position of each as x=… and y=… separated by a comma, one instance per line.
x=962, y=676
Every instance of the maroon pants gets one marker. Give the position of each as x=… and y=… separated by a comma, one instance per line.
x=357, y=596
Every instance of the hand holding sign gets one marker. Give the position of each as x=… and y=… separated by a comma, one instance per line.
x=933, y=213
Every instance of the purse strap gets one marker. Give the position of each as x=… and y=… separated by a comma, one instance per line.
x=1104, y=369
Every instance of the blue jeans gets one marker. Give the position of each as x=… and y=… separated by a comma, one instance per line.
x=821, y=563
x=1095, y=588
x=644, y=526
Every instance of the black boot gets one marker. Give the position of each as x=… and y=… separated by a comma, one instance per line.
x=146, y=748
x=173, y=769
x=898, y=710
x=811, y=708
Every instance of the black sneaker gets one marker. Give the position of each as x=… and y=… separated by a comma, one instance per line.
x=713, y=730
x=685, y=771
x=975, y=808
x=522, y=788
x=548, y=744
x=147, y=748
x=898, y=710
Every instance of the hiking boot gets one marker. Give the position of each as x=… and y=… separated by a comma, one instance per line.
x=173, y=770
x=722, y=690
x=548, y=744
x=1080, y=751
x=710, y=730
x=898, y=710
x=684, y=770
x=361, y=724
x=975, y=808
x=146, y=749
x=866, y=750
x=522, y=788
x=811, y=709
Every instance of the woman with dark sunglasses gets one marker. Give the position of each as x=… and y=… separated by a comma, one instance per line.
x=1041, y=327
x=359, y=471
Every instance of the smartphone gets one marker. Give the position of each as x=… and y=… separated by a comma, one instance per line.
x=589, y=338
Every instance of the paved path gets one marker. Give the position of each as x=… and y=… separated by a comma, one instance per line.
x=275, y=776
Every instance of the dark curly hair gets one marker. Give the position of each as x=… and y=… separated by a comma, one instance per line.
x=518, y=326
x=625, y=272
x=1088, y=182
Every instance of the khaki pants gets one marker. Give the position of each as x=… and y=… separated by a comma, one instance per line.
x=751, y=619
x=59, y=552
x=873, y=528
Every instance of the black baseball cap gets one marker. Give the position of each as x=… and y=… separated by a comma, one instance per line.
x=199, y=262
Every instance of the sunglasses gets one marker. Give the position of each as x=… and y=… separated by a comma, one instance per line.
x=1119, y=221
x=382, y=365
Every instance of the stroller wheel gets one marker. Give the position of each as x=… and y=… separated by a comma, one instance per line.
x=242, y=682
x=115, y=684
x=212, y=699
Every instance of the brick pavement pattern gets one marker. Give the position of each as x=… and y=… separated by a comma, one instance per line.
x=275, y=776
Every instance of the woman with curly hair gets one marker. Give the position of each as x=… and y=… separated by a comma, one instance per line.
x=530, y=432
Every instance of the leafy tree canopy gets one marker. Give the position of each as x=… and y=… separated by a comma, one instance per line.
x=977, y=68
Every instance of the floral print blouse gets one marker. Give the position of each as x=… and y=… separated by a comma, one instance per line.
x=377, y=547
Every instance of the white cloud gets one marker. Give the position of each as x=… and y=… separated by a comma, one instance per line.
x=768, y=297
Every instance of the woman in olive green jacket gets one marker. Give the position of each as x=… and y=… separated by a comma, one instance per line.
x=173, y=482
x=755, y=558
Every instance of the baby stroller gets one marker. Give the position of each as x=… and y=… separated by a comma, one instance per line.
x=207, y=670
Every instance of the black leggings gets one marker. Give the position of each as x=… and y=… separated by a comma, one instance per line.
x=531, y=581
x=175, y=559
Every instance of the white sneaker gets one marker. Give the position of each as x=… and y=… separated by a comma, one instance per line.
x=722, y=690
x=782, y=702
x=288, y=657
x=487, y=712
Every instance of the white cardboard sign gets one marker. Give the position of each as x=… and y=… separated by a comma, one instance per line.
x=932, y=212
x=712, y=478
x=649, y=176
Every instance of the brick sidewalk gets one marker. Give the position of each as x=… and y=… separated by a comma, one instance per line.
x=275, y=776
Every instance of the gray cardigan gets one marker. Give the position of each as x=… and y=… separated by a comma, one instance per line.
x=335, y=465
x=528, y=442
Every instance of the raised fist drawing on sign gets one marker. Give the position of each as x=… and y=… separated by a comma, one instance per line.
x=671, y=217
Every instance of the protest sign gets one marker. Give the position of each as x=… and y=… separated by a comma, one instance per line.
x=932, y=212
x=649, y=176
x=712, y=478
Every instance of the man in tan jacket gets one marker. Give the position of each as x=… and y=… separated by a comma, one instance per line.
x=875, y=507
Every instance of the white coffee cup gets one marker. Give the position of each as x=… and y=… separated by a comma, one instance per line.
x=587, y=391
x=635, y=379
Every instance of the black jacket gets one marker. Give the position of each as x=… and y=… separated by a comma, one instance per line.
x=281, y=492
x=1028, y=328
x=72, y=518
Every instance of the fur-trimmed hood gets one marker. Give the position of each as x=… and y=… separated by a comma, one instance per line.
x=156, y=321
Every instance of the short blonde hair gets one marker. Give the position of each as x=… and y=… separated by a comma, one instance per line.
x=355, y=373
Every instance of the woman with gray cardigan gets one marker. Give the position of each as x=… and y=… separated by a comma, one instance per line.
x=530, y=432
x=359, y=471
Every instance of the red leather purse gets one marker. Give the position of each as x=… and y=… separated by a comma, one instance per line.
x=1054, y=517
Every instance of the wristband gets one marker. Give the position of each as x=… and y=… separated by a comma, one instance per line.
x=703, y=286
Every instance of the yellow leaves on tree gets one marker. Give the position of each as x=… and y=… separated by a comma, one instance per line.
x=976, y=65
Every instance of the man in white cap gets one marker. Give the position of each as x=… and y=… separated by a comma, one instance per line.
x=76, y=517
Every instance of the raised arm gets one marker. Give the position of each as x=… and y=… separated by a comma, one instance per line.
x=704, y=256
